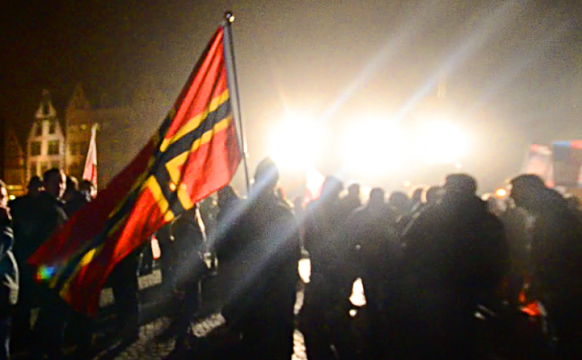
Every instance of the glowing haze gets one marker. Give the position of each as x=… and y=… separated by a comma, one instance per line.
x=365, y=70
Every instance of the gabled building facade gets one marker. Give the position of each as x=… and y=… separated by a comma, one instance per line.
x=113, y=136
x=14, y=164
x=78, y=122
x=122, y=132
x=45, y=147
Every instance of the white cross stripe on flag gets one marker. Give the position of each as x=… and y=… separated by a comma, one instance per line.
x=90, y=170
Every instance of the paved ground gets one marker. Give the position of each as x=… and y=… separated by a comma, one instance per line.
x=148, y=347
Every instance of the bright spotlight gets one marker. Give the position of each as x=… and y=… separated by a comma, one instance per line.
x=501, y=193
x=441, y=142
x=372, y=146
x=296, y=143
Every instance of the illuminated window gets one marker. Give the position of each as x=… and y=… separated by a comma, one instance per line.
x=33, y=169
x=53, y=147
x=38, y=128
x=35, y=148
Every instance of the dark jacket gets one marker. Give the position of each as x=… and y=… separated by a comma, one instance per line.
x=556, y=251
x=378, y=250
x=458, y=246
x=8, y=268
x=77, y=201
x=269, y=248
x=48, y=216
x=331, y=252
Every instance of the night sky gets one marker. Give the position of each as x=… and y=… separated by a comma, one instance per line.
x=514, y=67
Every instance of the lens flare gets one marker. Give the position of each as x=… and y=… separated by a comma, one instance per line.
x=45, y=273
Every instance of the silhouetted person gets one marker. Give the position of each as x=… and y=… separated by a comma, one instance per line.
x=556, y=253
x=22, y=210
x=88, y=189
x=8, y=274
x=49, y=216
x=400, y=203
x=208, y=209
x=431, y=196
x=325, y=313
x=189, y=246
x=21, y=205
x=263, y=308
x=74, y=199
x=227, y=241
x=80, y=326
x=515, y=221
x=168, y=257
x=416, y=198
x=125, y=286
x=378, y=244
x=352, y=200
x=455, y=258
x=575, y=205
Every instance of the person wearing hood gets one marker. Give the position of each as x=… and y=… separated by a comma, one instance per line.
x=456, y=257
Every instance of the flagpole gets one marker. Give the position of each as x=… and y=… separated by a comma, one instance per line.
x=233, y=87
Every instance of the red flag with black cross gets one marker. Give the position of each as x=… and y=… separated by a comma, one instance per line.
x=194, y=153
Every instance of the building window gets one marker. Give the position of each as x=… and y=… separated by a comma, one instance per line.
x=38, y=128
x=35, y=148
x=44, y=166
x=55, y=165
x=53, y=127
x=53, y=147
x=33, y=170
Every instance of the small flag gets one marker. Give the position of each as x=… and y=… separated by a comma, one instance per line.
x=194, y=153
x=313, y=185
x=90, y=171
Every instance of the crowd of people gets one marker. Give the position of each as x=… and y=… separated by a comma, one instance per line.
x=429, y=263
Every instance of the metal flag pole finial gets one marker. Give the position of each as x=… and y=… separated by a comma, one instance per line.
x=229, y=16
x=233, y=85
